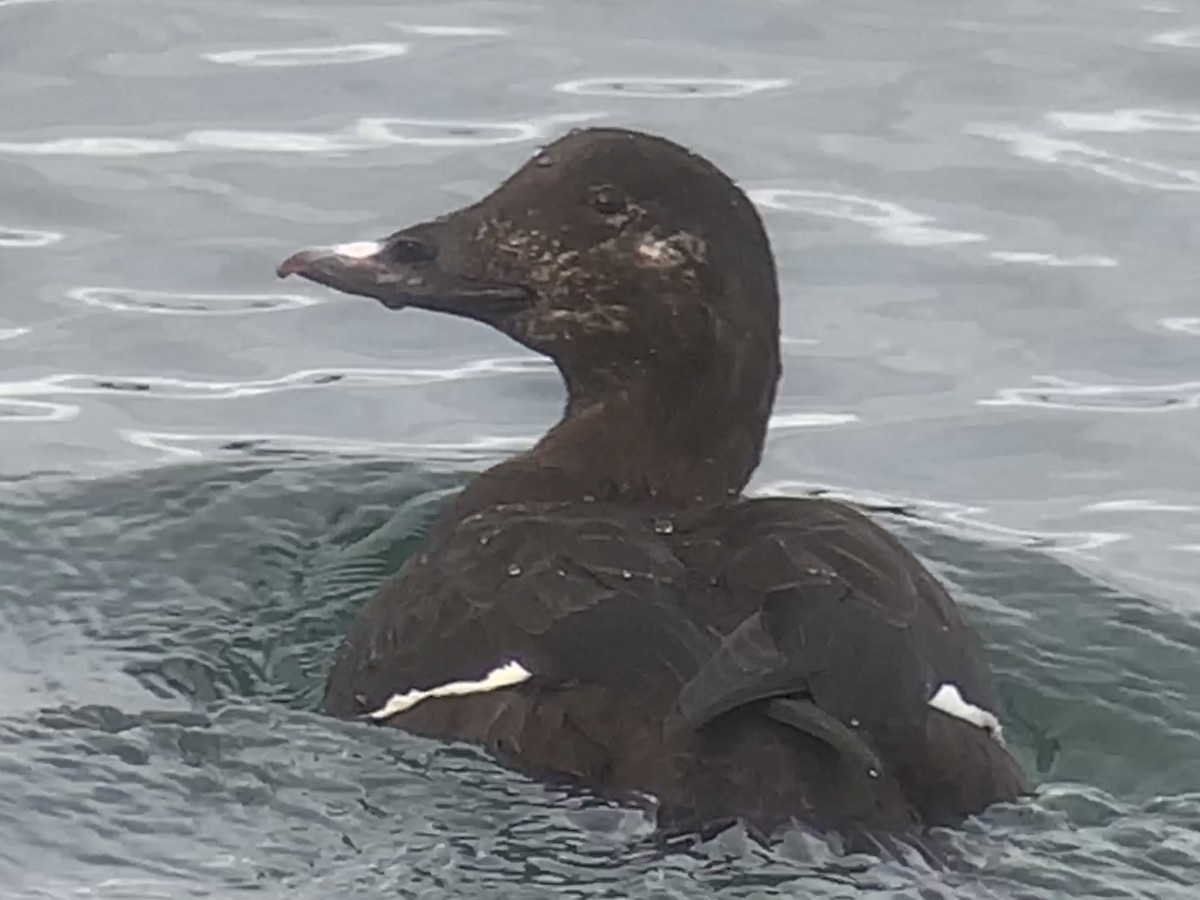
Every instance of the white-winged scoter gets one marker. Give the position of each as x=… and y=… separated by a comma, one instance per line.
x=607, y=606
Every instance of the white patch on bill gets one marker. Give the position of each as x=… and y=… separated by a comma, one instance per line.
x=949, y=699
x=500, y=677
x=357, y=249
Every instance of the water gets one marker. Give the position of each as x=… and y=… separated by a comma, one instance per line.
x=985, y=216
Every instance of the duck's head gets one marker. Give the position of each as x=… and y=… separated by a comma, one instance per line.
x=617, y=254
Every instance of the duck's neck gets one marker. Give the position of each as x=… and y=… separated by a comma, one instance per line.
x=638, y=443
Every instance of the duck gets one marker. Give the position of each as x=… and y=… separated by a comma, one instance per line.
x=609, y=607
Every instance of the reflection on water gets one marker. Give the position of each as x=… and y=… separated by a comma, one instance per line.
x=172, y=304
x=892, y=222
x=364, y=134
x=1187, y=325
x=277, y=57
x=1061, y=393
x=1188, y=39
x=175, y=446
x=1127, y=121
x=955, y=518
x=1046, y=148
x=166, y=388
x=1037, y=258
x=450, y=30
x=671, y=88
x=27, y=237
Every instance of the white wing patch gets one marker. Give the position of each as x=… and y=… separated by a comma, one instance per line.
x=507, y=675
x=950, y=700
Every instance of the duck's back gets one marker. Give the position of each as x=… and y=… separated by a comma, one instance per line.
x=758, y=658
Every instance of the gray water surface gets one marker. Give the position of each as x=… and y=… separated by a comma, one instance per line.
x=985, y=216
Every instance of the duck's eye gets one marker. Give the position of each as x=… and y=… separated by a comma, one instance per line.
x=607, y=200
x=406, y=250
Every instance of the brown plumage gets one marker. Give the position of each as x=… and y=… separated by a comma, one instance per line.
x=762, y=659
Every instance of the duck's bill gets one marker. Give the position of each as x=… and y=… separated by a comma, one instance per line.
x=401, y=271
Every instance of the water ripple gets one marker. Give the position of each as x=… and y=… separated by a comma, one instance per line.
x=179, y=445
x=335, y=54
x=273, y=141
x=171, y=304
x=1035, y=258
x=91, y=146
x=893, y=222
x=1184, y=325
x=460, y=132
x=788, y=421
x=365, y=134
x=480, y=449
x=899, y=225
x=1188, y=39
x=1044, y=148
x=164, y=387
x=36, y=411
x=1060, y=393
x=1126, y=121
x=450, y=30
x=954, y=518
x=1138, y=504
x=24, y=238
x=671, y=88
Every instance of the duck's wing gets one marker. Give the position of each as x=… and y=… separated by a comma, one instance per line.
x=822, y=640
x=849, y=638
x=812, y=592
x=573, y=594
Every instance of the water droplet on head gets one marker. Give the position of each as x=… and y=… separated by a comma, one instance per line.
x=514, y=569
x=626, y=574
x=873, y=773
x=483, y=539
x=854, y=723
x=543, y=160
x=663, y=526
x=589, y=498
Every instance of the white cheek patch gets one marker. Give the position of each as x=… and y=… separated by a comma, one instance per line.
x=949, y=700
x=657, y=253
x=501, y=677
x=668, y=252
x=357, y=249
